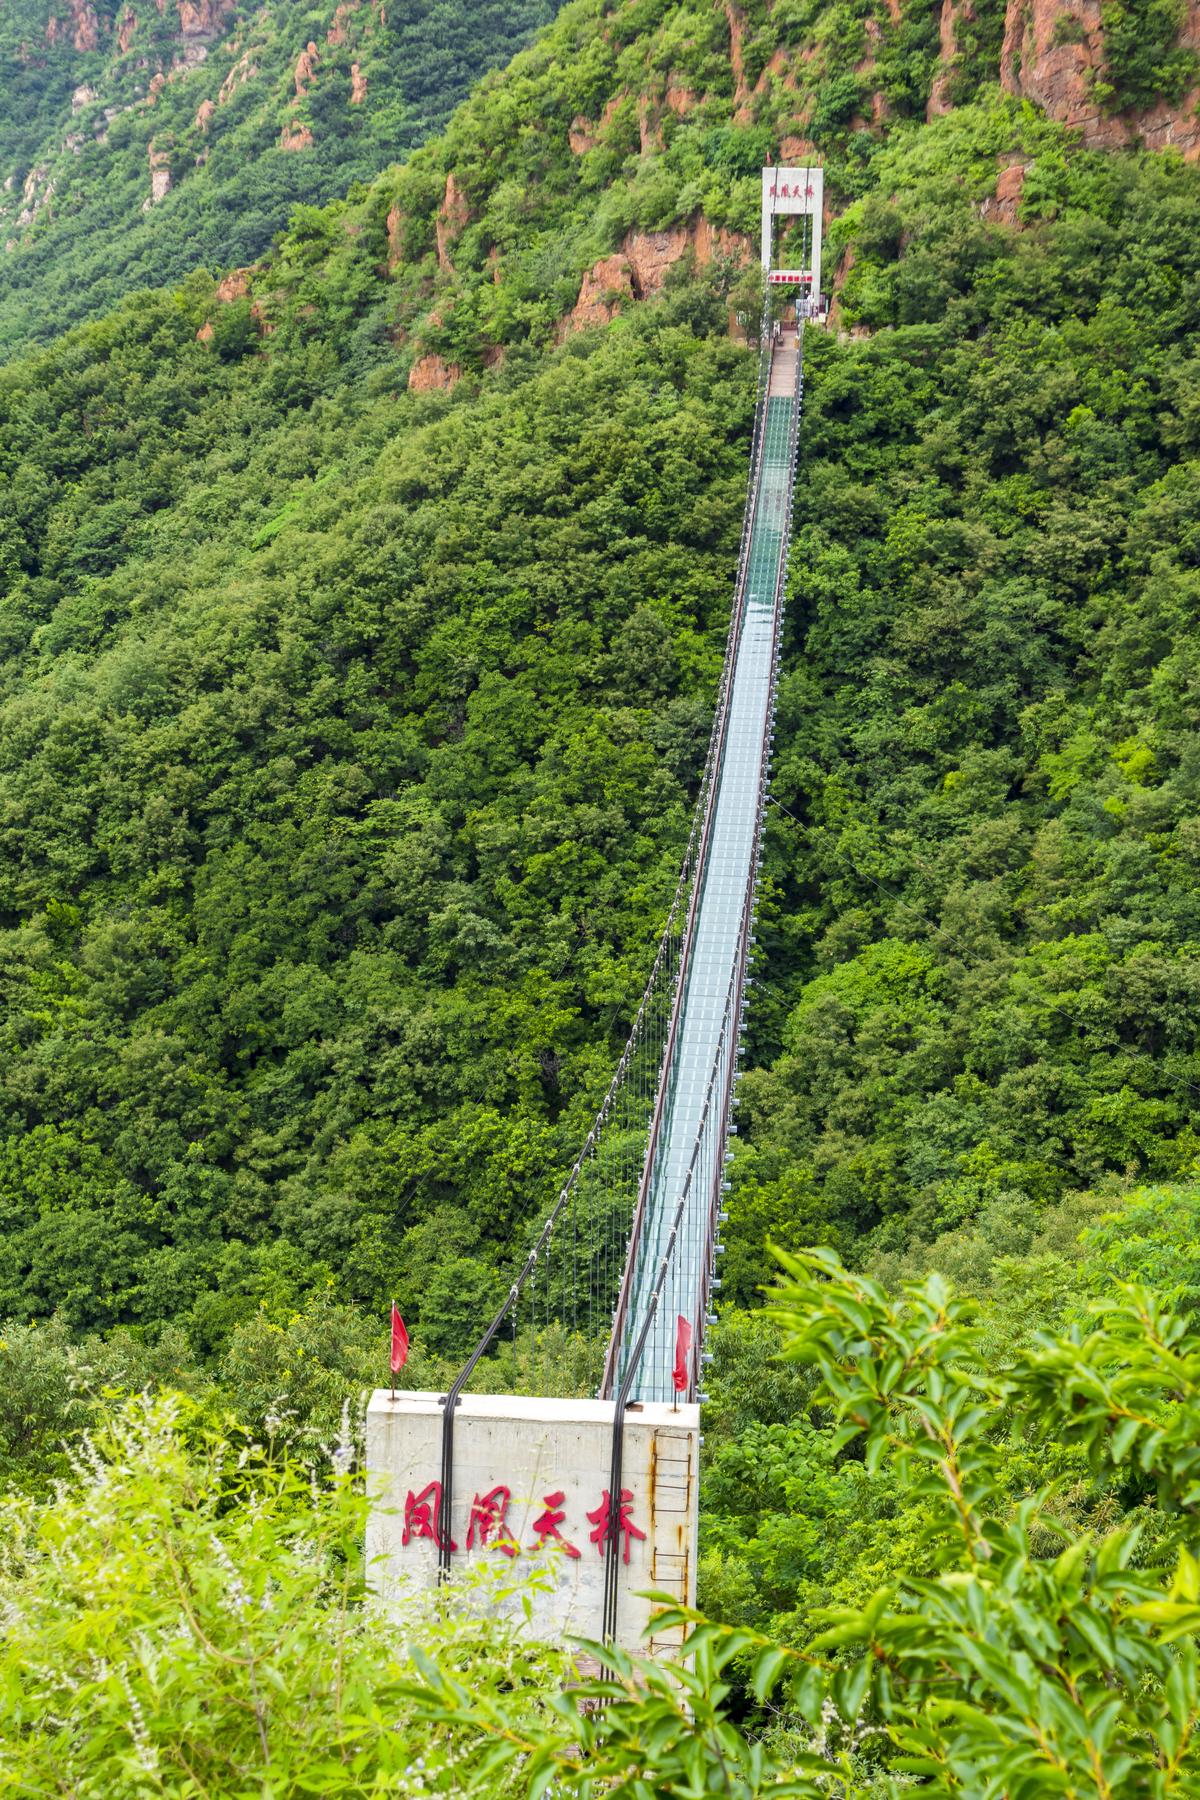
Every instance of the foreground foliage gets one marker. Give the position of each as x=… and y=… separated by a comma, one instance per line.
x=184, y=1616
x=1012, y=1656
x=186, y=1619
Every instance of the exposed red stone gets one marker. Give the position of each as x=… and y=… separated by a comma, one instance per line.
x=243, y=70
x=206, y=333
x=337, y=33
x=431, y=372
x=605, y=286
x=779, y=71
x=358, y=85
x=737, y=32
x=204, y=113
x=306, y=69
x=203, y=20
x=452, y=215
x=126, y=26
x=1004, y=204
x=1060, y=76
x=86, y=35
x=640, y=268
x=160, y=171
x=295, y=135
x=234, y=286
x=580, y=135
x=395, y=220
x=939, y=101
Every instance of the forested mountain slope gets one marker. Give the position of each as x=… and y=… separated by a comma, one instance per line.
x=139, y=141
x=361, y=626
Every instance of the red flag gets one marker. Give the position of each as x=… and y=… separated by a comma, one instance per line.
x=399, y=1340
x=683, y=1343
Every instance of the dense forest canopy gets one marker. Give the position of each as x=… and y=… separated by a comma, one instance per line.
x=349, y=733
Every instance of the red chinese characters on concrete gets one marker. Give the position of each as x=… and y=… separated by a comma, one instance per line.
x=547, y=1526
x=606, y=1526
x=421, y=1514
x=488, y=1529
x=790, y=190
x=487, y=1522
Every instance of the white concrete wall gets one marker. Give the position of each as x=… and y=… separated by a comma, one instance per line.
x=535, y=1448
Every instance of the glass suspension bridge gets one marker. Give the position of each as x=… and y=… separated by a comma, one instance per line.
x=631, y=1245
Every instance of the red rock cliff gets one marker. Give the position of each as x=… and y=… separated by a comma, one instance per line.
x=1053, y=54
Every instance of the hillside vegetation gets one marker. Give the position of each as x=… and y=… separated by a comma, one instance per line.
x=348, y=733
x=139, y=142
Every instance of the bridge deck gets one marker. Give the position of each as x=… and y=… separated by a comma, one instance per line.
x=717, y=934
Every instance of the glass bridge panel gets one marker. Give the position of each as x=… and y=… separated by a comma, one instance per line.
x=725, y=881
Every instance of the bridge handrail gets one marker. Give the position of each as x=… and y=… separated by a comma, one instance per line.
x=692, y=860
x=730, y=1019
x=706, y=800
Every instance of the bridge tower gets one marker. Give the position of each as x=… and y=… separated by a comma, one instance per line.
x=794, y=194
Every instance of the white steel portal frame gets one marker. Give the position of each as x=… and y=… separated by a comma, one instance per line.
x=794, y=192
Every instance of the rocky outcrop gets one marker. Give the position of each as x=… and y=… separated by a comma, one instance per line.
x=234, y=286
x=641, y=266
x=650, y=136
x=295, y=135
x=160, y=173
x=652, y=255
x=204, y=113
x=1053, y=54
x=583, y=135
x=939, y=93
x=36, y=194
x=83, y=96
x=305, y=73
x=395, y=223
x=358, y=85
x=337, y=33
x=126, y=27
x=82, y=26
x=737, y=33
x=431, y=372
x=204, y=20
x=243, y=70
x=1003, y=206
x=452, y=215
x=606, y=285
x=715, y=245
